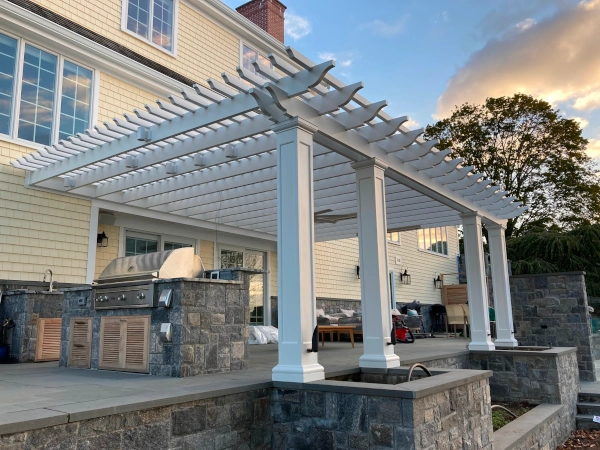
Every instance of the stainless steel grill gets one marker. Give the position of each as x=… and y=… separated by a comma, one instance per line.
x=128, y=282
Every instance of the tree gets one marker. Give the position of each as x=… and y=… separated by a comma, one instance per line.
x=528, y=149
x=542, y=251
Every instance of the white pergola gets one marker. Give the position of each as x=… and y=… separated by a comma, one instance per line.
x=293, y=152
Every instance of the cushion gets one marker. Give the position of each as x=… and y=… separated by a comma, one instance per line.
x=395, y=312
x=320, y=312
x=348, y=312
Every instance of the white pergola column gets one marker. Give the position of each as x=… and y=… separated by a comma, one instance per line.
x=374, y=282
x=295, y=256
x=500, y=282
x=476, y=286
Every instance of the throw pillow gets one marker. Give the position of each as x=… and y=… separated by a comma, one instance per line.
x=348, y=312
x=320, y=312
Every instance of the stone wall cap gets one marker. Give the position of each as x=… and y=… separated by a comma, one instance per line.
x=423, y=387
x=548, y=352
x=517, y=431
x=555, y=274
x=20, y=421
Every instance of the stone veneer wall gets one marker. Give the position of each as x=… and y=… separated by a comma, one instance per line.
x=25, y=308
x=210, y=326
x=457, y=417
x=239, y=421
x=550, y=376
x=559, y=302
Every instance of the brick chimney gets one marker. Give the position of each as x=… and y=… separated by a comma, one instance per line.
x=267, y=14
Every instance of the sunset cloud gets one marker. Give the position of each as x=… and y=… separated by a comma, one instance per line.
x=557, y=59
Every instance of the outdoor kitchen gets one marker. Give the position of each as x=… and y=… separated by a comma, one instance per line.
x=157, y=313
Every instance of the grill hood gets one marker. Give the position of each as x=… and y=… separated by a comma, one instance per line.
x=178, y=263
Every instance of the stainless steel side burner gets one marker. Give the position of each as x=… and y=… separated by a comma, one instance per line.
x=128, y=282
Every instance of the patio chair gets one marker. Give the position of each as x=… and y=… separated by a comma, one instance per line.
x=455, y=315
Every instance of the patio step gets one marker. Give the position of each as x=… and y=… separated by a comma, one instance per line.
x=586, y=422
x=588, y=408
x=589, y=397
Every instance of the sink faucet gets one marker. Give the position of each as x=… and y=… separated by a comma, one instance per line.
x=46, y=273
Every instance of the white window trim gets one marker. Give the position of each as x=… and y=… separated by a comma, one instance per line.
x=162, y=238
x=18, y=84
x=389, y=241
x=148, y=40
x=429, y=252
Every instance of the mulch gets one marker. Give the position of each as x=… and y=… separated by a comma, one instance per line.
x=581, y=439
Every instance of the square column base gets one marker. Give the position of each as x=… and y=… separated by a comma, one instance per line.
x=486, y=346
x=512, y=343
x=298, y=374
x=379, y=361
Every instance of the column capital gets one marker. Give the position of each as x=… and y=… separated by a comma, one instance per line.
x=371, y=162
x=495, y=226
x=295, y=122
x=470, y=215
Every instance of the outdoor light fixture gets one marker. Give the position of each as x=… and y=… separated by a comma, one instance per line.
x=102, y=240
x=404, y=276
x=437, y=282
x=358, y=272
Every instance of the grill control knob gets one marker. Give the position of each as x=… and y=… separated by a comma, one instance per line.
x=105, y=298
x=141, y=295
x=122, y=297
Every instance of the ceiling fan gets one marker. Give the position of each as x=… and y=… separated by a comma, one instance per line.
x=323, y=217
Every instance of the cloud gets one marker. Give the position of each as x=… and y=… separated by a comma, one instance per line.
x=412, y=124
x=589, y=101
x=344, y=59
x=296, y=26
x=386, y=29
x=525, y=24
x=582, y=122
x=557, y=59
x=593, y=148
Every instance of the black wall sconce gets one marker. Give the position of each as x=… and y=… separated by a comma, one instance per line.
x=437, y=282
x=102, y=240
x=358, y=272
x=404, y=276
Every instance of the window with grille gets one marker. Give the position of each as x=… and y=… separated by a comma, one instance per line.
x=434, y=240
x=394, y=237
x=43, y=96
x=152, y=20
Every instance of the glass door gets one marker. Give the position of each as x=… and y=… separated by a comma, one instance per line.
x=249, y=259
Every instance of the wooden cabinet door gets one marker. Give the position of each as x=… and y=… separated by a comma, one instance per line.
x=48, y=340
x=137, y=331
x=80, y=343
x=124, y=343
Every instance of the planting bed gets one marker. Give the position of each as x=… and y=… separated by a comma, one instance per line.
x=501, y=418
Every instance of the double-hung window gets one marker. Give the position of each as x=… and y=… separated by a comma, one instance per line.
x=43, y=96
x=394, y=237
x=249, y=55
x=152, y=20
x=434, y=240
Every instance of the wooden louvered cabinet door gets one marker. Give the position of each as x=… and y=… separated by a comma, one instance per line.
x=124, y=343
x=48, y=340
x=80, y=343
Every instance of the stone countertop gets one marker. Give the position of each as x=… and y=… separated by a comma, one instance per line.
x=29, y=291
x=79, y=288
x=196, y=280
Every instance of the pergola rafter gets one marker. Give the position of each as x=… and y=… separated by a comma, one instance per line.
x=210, y=155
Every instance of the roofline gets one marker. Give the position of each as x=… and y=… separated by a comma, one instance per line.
x=245, y=29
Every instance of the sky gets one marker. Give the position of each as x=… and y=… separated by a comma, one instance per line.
x=425, y=57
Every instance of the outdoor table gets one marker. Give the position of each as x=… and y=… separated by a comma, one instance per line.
x=331, y=329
